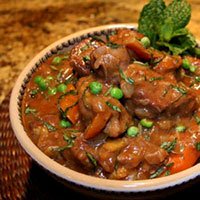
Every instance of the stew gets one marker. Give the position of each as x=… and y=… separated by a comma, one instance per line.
x=116, y=108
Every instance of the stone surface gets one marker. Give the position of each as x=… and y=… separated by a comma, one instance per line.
x=27, y=27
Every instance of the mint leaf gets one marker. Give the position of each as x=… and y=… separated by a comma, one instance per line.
x=166, y=30
x=179, y=11
x=180, y=45
x=150, y=18
x=180, y=32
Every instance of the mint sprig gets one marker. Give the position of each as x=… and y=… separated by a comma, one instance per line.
x=166, y=26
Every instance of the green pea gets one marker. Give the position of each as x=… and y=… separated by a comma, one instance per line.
x=145, y=42
x=116, y=93
x=52, y=91
x=95, y=87
x=197, y=52
x=61, y=88
x=192, y=68
x=43, y=84
x=65, y=124
x=37, y=79
x=146, y=123
x=180, y=128
x=56, y=61
x=132, y=131
x=197, y=78
x=186, y=64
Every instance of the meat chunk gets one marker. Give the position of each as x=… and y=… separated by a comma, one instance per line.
x=124, y=35
x=84, y=153
x=80, y=55
x=168, y=64
x=98, y=114
x=108, y=153
x=153, y=95
x=107, y=62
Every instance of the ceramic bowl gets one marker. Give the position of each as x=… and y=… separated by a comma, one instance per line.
x=109, y=189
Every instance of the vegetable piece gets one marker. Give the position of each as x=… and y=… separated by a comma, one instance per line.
x=169, y=146
x=180, y=128
x=197, y=119
x=56, y=61
x=49, y=126
x=186, y=63
x=183, y=161
x=192, y=68
x=70, y=143
x=146, y=123
x=41, y=82
x=65, y=124
x=62, y=88
x=145, y=42
x=97, y=124
x=197, y=145
x=158, y=172
x=92, y=159
x=149, y=20
x=165, y=25
x=116, y=108
x=37, y=79
x=197, y=79
x=95, y=87
x=183, y=91
x=124, y=77
x=29, y=110
x=52, y=91
x=73, y=114
x=179, y=11
x=116, y=93
x=133, y=131
x=43, y=85
x=67, y=101
x=70, y=87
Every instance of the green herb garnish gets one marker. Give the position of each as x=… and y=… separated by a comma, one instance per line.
x=169, y=146
x=116, y=108
x=158, y=172
x=197, y=145
x=155, y=79
x=181, y=90
x=127, y=79
x=29, y=110
x=50, y=127
x=91, y=158
x=113, y=45
x=165, y=26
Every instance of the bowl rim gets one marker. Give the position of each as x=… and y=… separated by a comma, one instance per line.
x=73, y=176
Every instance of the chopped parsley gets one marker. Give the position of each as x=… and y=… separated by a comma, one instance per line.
x=116, y=108
x=169, y=146
x=124, y=77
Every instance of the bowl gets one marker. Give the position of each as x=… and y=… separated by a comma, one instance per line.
x=96, y=187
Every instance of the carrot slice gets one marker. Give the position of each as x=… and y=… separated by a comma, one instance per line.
x=70, y=87
x=97, y=124
x=184, y=161
x=73, y=114
x=68, y=101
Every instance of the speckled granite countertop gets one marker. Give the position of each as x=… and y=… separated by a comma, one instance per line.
x=26, y=27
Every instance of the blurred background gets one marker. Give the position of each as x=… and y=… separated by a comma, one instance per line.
x=27, y=27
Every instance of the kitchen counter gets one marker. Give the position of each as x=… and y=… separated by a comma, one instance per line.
x=27, y=27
